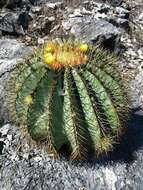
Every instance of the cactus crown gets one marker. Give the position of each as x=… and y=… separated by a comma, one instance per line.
x=59, y=54
x=69, y=93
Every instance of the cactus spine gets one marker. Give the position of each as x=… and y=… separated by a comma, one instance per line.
x=69, y=93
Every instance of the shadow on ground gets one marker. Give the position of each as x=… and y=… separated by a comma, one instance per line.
x=131, y=141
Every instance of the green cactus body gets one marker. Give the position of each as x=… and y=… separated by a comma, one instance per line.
x=70, y=94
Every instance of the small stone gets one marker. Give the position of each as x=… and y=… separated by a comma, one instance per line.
x=116, y=2
x=9, y=137
x=140, y=52
x=76, y=13
x=51, y=5
x=4, y=130
x=100, y=15
x=40, y=41
x=66, y=25
x=51, y=19
x=86, y=12
x=141, y=56
x=36, y=9
x=54, y=5
x=123, y=22
x=34, y=25
x=104, y=8
x=25, y=155
x=141, y=17
x=129, y=41
x=14, y=156
x=54, y=29
x=28, y=38
x=123, y=13
x=37, y=158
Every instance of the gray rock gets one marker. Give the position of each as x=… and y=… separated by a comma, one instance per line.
x=10, y=3
x=36, y=9
x=122, y=12
x=99, y=31
x=11, y=23
x=5, y=130
x=10, y=52
x=123, y=23
x=55, y=5
x=116, y=2
x=104, y=8
x=141, y=17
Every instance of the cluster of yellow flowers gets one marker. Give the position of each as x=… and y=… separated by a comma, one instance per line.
x=57, y=55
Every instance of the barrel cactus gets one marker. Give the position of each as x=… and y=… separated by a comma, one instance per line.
x=69, y=93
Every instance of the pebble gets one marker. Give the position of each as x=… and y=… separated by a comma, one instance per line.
x=9, y=137
x=141, y=17
x=76, y=13
x=51, y=5
x=100, y=15
x=86, y=12
x=123, y=22
x=5, y=129
x=36, y=9
x=54, y=5
x=51, y=19
x=123, y=13
x=37, y=158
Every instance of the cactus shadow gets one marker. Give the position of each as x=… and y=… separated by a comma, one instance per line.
x=131, y=141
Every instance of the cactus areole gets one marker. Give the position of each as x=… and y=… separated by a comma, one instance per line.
x=69, y=93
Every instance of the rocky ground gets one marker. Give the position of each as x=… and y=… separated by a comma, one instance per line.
x=118, y=27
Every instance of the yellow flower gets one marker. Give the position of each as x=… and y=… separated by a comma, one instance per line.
x=83, y=47
x=50, y=47
x=49, y=58
x=64, y=54
x=28, y=100
x=65, y=57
